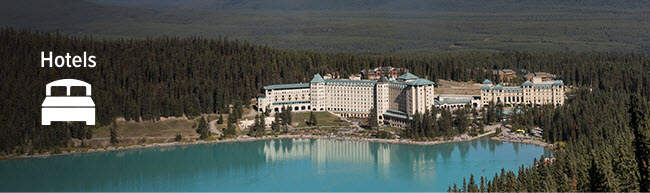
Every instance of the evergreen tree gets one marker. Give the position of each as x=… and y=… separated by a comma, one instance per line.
x=275, y=126
x=113, y=133
x=286, y=118
x=312, y=119
x=640, y=124
x=202, y=129
x=220, y=120
x=178, y=138
x=372, y=118
x=89, y=133
x=472, y=187
x=461, y=122
x=230, y=130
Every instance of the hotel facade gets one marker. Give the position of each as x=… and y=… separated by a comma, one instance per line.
x=535, y=92
x=396, y=100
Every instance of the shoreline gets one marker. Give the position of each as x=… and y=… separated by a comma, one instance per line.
x=528, y=141
x=248, y=139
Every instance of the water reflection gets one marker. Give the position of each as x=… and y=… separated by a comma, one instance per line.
x=419, y=160
x=270, y=165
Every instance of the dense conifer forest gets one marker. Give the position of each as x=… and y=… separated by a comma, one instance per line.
x=603, y=129
x=603, y=145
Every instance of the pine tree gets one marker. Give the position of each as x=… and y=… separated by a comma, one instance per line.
x=89, y=133
x=113, y=131
x=202, y=129
x=472, y=187
x=178, y=138
x=640, y=124
x=372, y=118
x=220, y=120
x=275, y=126
x=312, y=119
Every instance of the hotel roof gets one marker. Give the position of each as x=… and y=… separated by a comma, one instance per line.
x=317, y=79
x=286, y=86
x=419, y=82
x=383, y=79
x=407, y=76
x=451, y=102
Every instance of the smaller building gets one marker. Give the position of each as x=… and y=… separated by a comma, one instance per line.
x=388, y=71
x=454, y=102
x=536, y=92
x=506, y=75
x=355, y=77
x=245, y=124
x=543, y=75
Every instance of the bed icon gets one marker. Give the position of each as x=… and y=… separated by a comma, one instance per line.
x=68, y=108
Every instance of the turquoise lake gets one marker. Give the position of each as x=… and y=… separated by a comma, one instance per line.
x=271, y=165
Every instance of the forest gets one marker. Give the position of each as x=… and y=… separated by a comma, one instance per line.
x=603, y=143
x=603, y=128
x=355, y=26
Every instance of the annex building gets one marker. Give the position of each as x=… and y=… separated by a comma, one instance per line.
x=535, y=92
x=395, y=99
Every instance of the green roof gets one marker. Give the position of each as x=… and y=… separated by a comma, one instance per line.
x=383, y=79
x=394, y=115
x=527, y=83
x=419, y=82
x=498, y=86
x=286, y=86
x=317, y=79
x=351, y=82
x=485, y=87
x=407, y=76
x=487, y=81
x=453, y=102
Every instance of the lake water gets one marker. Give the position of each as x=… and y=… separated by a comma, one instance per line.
x=271, y=165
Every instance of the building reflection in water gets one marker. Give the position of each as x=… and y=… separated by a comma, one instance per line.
x=261, y=164
x=322, y=152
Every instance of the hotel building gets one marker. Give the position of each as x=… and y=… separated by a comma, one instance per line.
x=537, y=92
x=395, y=100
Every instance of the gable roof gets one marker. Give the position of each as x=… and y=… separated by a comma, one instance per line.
x=383, y=79
x=527, y=83
x=487, y=81
x=317, y=79
x=407, y=76
x=420, y=82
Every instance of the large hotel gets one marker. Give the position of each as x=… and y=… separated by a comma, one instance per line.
x=395, y=99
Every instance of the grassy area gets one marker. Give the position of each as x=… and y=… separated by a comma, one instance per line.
x=323, y=119
x=378, y=26
x=164, y=128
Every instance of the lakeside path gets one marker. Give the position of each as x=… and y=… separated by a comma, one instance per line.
x=490, y=130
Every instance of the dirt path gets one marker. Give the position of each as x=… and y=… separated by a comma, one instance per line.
x=213, y=127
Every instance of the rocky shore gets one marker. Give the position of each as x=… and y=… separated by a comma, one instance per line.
x=529, y=141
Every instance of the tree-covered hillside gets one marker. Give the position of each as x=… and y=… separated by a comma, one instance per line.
x=162, y=77
x=144, y=79
x=359, y=26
